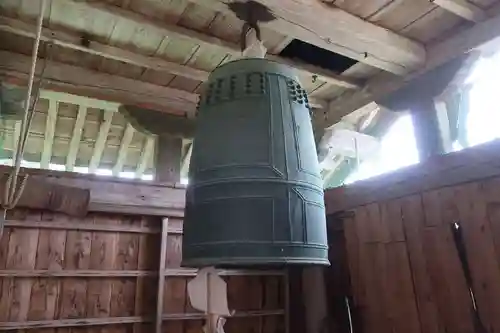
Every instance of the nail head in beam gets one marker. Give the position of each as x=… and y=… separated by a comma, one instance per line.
x=462, y=8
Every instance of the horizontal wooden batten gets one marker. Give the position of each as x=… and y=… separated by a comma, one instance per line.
x=114, y=195
x=179, y=272
x=5, y=326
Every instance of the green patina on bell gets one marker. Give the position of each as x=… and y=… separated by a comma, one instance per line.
x=255, y=195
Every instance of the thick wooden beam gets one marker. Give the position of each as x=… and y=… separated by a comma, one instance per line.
x=168, y=159
x=123, y=150
x=74, y=144
x=462, y=8
x=484, y=35
x=50, y=129
x=100, y=142
x=86, y=82
x=73, y=41
x=333, y=29
x=199, y=38
x=107, y=194
x=146, y=154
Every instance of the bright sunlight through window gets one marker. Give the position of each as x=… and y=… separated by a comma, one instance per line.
x=398, y=146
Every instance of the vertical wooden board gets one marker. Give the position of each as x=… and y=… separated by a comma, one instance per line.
x=374, y=315
x=413, y=220
x=123, y=289
x=362, y=260
x=244, y=293
x=363, y=226
x=22, y=255
x=378, y=227
x=174, y=251
x=393, y=220
x=102, y=256
x=77, y=256
x=175, y=297
x=147, y=260
x=175, y=293
x=193, y=326
x=491, y=188
x=352, y=253
x=480, y=248
x=430, y=201
x=5, y=283
x=271, y=298
x=45, y=292
x=242, y=325
x=447, y=278
x=171, y=326
x=400, y=289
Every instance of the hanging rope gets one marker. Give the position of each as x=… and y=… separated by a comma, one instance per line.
x=13, y=192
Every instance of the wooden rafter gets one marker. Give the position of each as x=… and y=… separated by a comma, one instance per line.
x=100, y=143
x=335, y=30
x=181, y=33
x=146, y=154
x=462, y=8
x=123, y=150
x=74, y=144
x=482, y=35
x=50, y=129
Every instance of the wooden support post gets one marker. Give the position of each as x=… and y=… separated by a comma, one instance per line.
x=161, y=276
x=168, y=159
x=427, y=128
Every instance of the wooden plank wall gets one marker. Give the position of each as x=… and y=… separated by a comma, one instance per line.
x=423, y=263
x=100, y=274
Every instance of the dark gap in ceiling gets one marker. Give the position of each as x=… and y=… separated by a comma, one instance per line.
x=317, y=56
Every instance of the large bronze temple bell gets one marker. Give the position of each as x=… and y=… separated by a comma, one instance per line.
x=255, y=194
